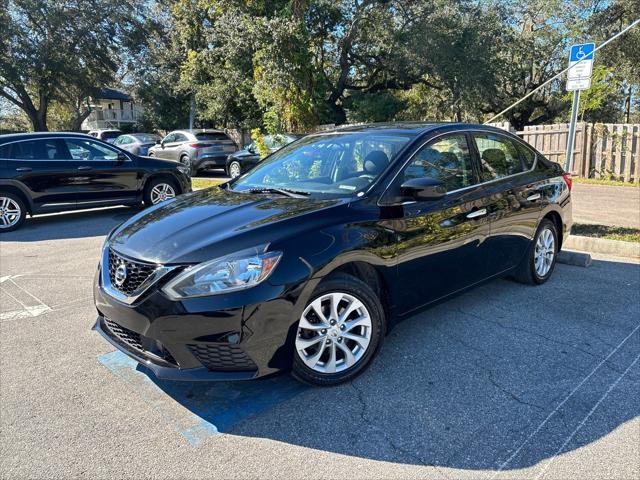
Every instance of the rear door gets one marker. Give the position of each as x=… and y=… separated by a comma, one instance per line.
x=442, y=243
x=43, y=167
x=100, y=177
x=514, y=208
x=164, y=150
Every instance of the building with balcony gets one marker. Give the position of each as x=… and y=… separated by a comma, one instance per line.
x=111, y=108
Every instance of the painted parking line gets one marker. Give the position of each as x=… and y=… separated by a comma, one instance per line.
x=28, y=305
x=198, y=410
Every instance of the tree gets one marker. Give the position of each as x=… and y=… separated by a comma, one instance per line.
x=62, y=51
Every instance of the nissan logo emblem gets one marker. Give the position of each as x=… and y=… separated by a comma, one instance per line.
x=121, y=274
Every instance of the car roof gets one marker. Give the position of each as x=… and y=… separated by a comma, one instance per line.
x=415, y=128
x=198, y=130
x=12, y=137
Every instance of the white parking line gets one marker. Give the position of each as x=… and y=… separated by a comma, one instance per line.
x=580, y=425
x=31, y=305
x=544, y=422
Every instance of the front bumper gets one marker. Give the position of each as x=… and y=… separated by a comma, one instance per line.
x=238, y=336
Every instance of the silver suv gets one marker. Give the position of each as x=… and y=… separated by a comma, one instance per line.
x=196, y=149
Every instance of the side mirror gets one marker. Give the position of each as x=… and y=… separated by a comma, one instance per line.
x=158, y=142
x=122, y=158
x=424, y=189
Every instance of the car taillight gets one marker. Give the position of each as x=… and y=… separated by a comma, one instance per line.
x=199, y=145
x=568, y=180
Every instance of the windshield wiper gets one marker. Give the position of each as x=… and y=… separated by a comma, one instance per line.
x=282, y=191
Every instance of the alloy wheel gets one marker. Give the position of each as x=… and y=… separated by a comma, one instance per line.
x=162, y=192
x=10, y=212
x=334, y=333
x=544, y=252
x=234, y=169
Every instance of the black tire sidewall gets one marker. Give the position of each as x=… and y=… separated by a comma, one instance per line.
x=23, y=209
x=545, y=224
x=361, y=291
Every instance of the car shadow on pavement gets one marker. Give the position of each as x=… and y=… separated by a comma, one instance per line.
x=77, y=224
x=502, y=377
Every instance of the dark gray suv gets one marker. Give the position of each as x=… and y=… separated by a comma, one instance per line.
x=196, y=149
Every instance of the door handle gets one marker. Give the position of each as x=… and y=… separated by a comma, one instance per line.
x=84, y=167
x=23, y=169
x=533, y=197
x=477, y=213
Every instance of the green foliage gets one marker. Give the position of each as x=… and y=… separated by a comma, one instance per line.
x=258, y=140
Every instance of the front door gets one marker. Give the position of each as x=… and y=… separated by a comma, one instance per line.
x=100, y=177
x=441, y=243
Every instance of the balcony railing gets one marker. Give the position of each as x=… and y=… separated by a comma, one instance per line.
x=113, y=117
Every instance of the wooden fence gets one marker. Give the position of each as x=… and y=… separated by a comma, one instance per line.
x=601, y=150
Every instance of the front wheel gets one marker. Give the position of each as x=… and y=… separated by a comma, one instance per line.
x=339, y=332
x=540, y=261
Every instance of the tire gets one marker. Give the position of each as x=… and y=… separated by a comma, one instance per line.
x=235, y=169
x=153, y=191
x=535, y=268
x=186, y=161
x=13, y=212
x=314, y=345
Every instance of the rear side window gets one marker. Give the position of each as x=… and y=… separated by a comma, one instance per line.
x=528, y=156
x=498, y=155
x=29, y=150
x=211, y=136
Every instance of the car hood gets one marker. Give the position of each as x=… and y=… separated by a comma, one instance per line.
x=211, y=223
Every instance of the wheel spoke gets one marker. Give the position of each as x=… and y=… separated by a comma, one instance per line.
x=306, y=325
x=334, y=301
x=354, y=305
x=330, y=367
x=312, y=360
x=359, y=339
x=304, y=343
x=356, y=322
x=349, y=358
x=5, y=202
x=316, y=306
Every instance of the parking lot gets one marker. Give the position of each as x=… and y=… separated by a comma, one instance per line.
x=506, y=381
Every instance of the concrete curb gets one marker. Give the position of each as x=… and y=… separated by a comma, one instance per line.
x=578, y=259
x=602, y=245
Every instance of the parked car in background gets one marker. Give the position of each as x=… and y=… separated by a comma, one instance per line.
x=138, y=143
x=196, y=149
x=305, y=262
x=105, y=135
x=247, y=158
x=53, y=172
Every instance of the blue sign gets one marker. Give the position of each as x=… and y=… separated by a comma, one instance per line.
x=582, y=51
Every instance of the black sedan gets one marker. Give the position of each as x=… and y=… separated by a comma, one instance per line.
x=247, y=158
x=54, y=172
x=308, y=260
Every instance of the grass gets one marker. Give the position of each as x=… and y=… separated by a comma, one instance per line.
x=604, y=231
x=604, y=181
x=199, y=183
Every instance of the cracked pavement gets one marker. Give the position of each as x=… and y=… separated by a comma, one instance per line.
x=505, y=381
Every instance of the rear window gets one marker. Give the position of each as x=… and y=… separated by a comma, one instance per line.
x=21, y=150
x=212, y=136
x=106, y=135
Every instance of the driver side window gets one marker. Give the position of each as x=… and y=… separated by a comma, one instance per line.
x=447, y=159
x=81, y=149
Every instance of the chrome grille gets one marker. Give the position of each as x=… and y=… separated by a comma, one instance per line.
x=137, y=273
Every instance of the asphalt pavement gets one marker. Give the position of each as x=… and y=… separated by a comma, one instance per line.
x=505, y=381
x=606, y=205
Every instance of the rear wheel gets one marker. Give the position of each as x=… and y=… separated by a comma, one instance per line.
x=339, y=332
x=186, y=161
x=12, y=211
x=540, y=261
x=235, y=170
x=158, y=190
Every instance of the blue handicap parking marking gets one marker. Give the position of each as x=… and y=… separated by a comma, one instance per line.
x=199, y=410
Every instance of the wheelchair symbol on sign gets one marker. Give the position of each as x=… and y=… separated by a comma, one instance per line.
x=580, y=54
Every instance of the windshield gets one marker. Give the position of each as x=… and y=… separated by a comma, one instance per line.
x=338, y=163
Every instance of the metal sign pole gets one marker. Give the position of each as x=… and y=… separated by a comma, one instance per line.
x=568, y=164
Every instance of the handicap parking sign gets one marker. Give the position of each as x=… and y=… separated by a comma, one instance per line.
x=580, y=66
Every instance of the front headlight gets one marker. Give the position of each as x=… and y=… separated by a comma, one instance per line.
x=233, y=272
x=184, y=169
